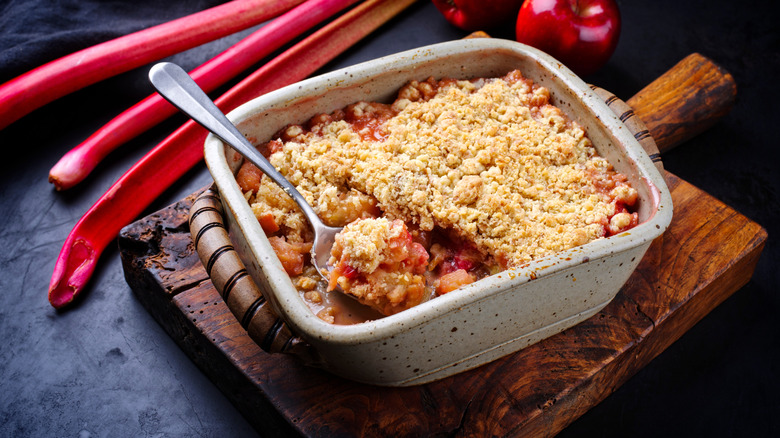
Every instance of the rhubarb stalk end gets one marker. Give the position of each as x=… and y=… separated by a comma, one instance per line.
x=71, y=169
x=71, y=272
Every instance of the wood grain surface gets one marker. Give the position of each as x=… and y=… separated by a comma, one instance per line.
x=708, y=252
x=686, y=100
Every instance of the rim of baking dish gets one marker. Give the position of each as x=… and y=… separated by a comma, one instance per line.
x=289, y=302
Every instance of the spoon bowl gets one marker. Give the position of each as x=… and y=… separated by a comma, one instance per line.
x=178, y=88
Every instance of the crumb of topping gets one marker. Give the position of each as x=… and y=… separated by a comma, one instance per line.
x=620, y=220
x=313, y=296
x=328, y=314
x=305, y=283
x=467, y=190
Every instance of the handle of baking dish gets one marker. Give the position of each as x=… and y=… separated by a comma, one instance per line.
x=688, y=99
x=231, y=279
x=634, y=125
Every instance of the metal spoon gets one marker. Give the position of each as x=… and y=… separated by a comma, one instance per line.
x=175, y=85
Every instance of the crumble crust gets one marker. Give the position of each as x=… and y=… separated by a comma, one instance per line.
x=491, y=159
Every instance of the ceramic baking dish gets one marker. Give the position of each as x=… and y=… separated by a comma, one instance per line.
x=484, y=320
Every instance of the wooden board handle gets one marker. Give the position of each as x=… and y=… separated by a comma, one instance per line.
x=686, y=100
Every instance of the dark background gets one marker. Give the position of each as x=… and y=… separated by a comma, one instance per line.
x=105, y=368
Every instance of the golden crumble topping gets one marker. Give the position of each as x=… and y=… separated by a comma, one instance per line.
x=489, y=159
x=453, y=181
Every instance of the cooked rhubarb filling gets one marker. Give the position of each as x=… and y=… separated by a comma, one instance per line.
x=453, y=181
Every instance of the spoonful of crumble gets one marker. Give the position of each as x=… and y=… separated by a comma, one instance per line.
x=176, y=86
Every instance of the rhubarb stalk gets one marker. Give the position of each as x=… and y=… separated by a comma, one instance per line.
x=32, y=90
x=180, y=151
x=76, y=165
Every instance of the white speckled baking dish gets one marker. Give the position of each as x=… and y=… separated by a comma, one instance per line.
x=484, y=320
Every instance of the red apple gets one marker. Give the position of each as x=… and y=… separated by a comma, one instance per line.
x=582, y=34
x=474, y=15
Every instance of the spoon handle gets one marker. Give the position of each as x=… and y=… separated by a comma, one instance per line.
x=177, y=87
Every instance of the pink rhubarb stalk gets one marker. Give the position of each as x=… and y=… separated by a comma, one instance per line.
x=180, y=151
x=76, y=165
x=32, y=90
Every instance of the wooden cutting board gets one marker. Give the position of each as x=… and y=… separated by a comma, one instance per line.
x=708, y=252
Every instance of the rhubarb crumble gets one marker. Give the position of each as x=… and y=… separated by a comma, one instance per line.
x=451, y=182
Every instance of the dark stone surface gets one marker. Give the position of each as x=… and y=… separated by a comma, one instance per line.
x=105, y=368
